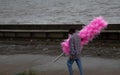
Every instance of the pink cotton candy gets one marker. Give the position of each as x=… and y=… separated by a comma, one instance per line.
x=87, y=33
x=95, y=28
x=65, y=48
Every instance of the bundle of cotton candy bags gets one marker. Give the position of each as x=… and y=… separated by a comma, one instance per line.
x=87, y=33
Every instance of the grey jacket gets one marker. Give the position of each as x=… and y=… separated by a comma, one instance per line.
x=74, y=43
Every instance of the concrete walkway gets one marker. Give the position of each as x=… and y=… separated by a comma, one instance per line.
x=12, y=64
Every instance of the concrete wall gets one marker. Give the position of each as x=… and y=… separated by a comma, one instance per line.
x=51, y=26
x=111, y=33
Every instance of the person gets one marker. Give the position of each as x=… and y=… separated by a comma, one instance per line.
x=75, y=51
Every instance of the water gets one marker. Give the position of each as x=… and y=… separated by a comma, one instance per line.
x=58, y=11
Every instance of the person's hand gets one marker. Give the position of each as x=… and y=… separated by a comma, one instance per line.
x=71, y=57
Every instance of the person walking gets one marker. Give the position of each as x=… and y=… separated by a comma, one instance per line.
x=75, y=51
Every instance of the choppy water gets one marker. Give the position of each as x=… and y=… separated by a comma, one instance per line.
x=58, y=11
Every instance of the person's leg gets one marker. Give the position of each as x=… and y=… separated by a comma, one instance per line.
x=79, y=64
x=69, y=64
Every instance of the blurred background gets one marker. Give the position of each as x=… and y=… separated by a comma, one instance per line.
x=32, y=29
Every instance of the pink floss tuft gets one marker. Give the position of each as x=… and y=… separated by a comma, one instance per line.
x=87, y=33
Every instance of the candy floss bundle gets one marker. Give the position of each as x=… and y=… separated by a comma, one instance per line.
x=87, y=33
